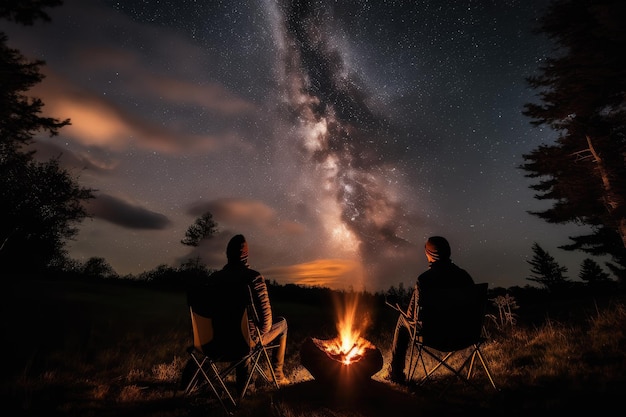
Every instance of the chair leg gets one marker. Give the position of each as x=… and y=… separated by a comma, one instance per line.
x=252, y=369
x=411, y=355
x=486, y=368
x=255, y=366
x=269, y=365
x=415, y=358
x=200, y=370
x=440, y=362
x=220, y=380
x=468, y=362
x=192, y=382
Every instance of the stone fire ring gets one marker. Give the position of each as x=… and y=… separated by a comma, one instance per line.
x=325, y=368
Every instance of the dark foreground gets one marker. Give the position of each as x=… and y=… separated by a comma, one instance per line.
x=90, y=350
x=311, y=398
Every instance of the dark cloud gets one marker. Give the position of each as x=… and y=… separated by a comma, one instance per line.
x=117, y=211
x=46, y=150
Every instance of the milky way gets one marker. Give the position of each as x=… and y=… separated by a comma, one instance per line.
x=342, y=142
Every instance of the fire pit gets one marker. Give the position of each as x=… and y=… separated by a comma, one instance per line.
x=330, y=362
x=348, y=358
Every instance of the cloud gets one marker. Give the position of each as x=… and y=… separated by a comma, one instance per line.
x=272, y=240
x=331, y=273
x=122, y=213
x=49, y=148
x=211, y=96
x=248, y=214
x=97, y=121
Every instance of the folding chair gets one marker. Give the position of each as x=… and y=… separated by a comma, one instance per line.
x=450, y=331
x=221, y=342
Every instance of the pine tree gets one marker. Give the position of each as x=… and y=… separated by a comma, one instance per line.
x=546, y=270
x=203, y=228
x=581, y=91
x=592, y=273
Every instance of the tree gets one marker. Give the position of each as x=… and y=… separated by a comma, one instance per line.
x=581, y=91
x=203, y=228
x=40, y=202
x=592, y=273
x=546, y=270
x=26, y=12
x=97, y=267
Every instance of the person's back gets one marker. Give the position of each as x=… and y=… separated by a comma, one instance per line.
x=224, y=297
x=441, y=273
x=444, y=274
x=229, y=297
x=241, y=284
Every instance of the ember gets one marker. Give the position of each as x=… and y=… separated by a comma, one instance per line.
x=348, y=357
x=343, y=352
x=326, y=363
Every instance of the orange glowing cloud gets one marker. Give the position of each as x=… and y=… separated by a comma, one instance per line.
x=212, y=96
x=246, y=214
x=336, y=274
x=96, y=121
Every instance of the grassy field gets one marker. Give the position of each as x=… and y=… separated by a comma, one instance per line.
x=95, y=349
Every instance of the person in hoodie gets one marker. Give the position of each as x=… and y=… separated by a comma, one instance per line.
x=441, y=273
x=225, y=293
x=237, y=280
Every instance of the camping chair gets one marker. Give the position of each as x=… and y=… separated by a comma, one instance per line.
x=221, y=342
x=450, y=331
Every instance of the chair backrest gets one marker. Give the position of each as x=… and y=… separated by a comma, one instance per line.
x=452, y=318
x=203, y=332
x=220, y=325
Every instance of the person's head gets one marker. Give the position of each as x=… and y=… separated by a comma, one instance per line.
x=237, y=249
x=437, y=248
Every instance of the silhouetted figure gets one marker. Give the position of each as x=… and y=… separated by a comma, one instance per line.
x=234, y=285
x=441, y=273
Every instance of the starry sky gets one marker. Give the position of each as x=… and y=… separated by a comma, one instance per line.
x=335, y=135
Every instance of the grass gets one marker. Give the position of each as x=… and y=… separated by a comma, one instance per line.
x=102, y=349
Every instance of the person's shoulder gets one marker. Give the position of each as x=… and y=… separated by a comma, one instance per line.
x=253, y=271
x=247, y=274
x=463, y=272
x=457, y=267
x=425, y=277
x=218, y=276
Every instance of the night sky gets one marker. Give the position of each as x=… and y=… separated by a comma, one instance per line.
x=335, y=135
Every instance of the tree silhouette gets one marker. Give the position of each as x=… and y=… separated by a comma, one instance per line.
x=546, y=270
x=97, y=267
x=26, y=12
x=40, y=202
x=592, y=273
x=203, y=228
x=581, y=91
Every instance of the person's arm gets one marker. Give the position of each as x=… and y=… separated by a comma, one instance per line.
x=261, y=300
x=411, y=310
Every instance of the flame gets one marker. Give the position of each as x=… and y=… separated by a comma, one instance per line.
x=348, y=346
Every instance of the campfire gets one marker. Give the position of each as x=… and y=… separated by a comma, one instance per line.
x=347, y=358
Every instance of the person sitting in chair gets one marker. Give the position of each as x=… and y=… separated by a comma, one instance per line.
x=229, y=290
x=441, y=273
x=239, y=280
